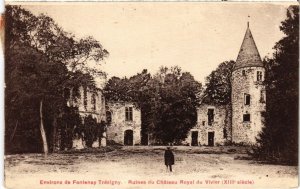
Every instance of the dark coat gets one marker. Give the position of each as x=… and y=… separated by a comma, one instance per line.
x=169, y=157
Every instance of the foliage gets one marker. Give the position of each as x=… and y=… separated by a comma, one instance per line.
x=278, y=141
x=69, y=124
x=168, y=102
x=43, y=34
x=117, y=89
x=42, y=63
x=92, y=130
x=176, y=109
x=218, y=84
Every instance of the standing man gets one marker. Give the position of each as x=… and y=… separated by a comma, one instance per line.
x=169, y=158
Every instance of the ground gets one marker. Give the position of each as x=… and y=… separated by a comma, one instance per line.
x=143, y=167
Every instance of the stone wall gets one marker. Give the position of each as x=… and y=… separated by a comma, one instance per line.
x=245, y=132
x=222, y=121
x=118, y=126
x=97, y=111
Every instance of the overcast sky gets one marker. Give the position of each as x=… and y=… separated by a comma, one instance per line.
x=195, y=36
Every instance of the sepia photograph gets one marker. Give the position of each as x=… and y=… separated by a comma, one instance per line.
x=151, y=94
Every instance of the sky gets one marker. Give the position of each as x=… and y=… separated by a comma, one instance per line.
x=193, y=35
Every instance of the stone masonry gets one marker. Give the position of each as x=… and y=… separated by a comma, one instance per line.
x=244, y=131
x=248, y=93
x=124, y=123
x=90, y=102
x=242, y=121
x=216, y=131
x=95, y=109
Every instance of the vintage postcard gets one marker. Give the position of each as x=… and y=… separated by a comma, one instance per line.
x=151, y=94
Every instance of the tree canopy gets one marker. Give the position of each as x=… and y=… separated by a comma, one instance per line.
x=218, y=84
x=168, y=102
x=278, y=141
x=42, y=62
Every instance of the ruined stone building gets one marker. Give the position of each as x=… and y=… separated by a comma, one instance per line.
x=124, y=123
x=91, y=102
x=243, y=121
x=238, y=122
x=122, y=119
x=213, y=126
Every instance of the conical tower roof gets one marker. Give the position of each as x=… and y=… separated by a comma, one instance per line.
x=248, y=55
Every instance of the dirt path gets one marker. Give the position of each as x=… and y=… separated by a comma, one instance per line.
x=142, y=167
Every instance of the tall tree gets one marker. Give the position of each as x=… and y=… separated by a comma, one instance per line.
x=42, y=61
x=42, y=33
x=278, y=140
x=218, y=84
x=168, y=102
x=176, y=111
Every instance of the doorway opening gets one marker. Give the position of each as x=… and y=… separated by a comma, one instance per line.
x=194, y=138
x=211, y=137
x=128, y=138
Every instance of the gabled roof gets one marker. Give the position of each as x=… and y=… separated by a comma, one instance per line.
x=248, y=55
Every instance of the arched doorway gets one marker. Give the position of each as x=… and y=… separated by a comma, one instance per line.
x=128, y=138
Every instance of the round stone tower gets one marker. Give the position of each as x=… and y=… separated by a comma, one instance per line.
x=248, y=93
